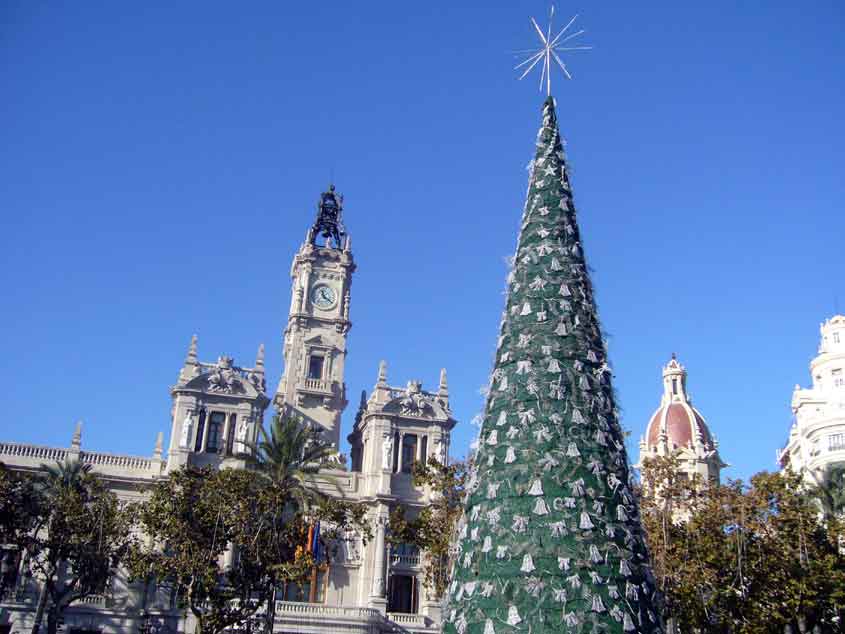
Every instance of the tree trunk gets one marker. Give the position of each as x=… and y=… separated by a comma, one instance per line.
x=39, y=610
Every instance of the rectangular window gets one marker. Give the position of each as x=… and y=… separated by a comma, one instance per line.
x=402, y=594
x=838, y=379
x=409, y=452
x=315, y=367
x=836, y=442
x=230, y=438
x=312, y=591
x=424, y=450
x=200, y=431
x=674, y=386
x=836, y=337
x=215, y=428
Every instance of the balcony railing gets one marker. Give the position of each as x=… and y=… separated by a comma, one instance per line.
x=405, y=561
x=414, y=620
x=318, y=385
x=319, y=611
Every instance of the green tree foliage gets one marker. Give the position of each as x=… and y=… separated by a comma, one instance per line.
x=73, y=532
x=189, y=522
x=18, y=519
x=289, y=457
x=830, y=491
x=225, y=540
x=432, y=530
x=744, y=559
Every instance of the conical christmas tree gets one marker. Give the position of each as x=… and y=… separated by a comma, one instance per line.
x=551, y=539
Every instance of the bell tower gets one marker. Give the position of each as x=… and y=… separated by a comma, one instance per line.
x=312, y=385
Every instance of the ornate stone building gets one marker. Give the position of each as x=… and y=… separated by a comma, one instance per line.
x=216, y=411
x=817, y=435
x=679, y=428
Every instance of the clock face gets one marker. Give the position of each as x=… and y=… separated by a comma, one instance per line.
x=323, y=297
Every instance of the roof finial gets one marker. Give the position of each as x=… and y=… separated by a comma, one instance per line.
x=76, y=439
x=259, y=358
x=159, y=445
x=192, y=351
x=549, y=50
x=329, y=222
x=444, y=385
x=382, y=372
x=674, y=357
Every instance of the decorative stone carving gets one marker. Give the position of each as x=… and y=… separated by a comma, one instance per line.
x=413, y=403
x=258, y=381
x=186, y=432
x=223, y=378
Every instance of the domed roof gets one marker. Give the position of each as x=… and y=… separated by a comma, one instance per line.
x=683, y=425
x=676, y=418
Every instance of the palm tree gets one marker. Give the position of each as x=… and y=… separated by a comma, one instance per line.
x=289, y=457
x=52, y=482
x=69, y=475
x=830, y=490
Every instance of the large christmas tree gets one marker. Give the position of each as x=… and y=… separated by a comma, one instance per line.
x=551, y=539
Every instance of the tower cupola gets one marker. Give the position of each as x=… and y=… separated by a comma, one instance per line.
x=679, y=428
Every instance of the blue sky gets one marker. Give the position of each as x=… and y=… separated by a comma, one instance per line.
x=160, y=164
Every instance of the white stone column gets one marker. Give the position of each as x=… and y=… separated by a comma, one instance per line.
x=401, y=445
x=223, y=444
x=377, y=591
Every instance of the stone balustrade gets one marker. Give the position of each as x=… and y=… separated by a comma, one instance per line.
x=33, y=456
x=319, y=611
x=410, y=620
x=33, y=452
x=132, y=463
x=405, y=561
x=318, y=385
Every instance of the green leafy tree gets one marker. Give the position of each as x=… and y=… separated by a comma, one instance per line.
x=226, y=539
x=79, y=535
x=552, y=540
x=19, y=517
x=743, y=559
x=189, y=521
x=432, y=530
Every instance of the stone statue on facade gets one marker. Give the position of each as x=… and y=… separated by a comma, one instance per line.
x=387, y=451
x=186, y=432
x=439, y=450
x=240, y=437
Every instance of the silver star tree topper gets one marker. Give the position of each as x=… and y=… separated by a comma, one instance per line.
x=550, y=49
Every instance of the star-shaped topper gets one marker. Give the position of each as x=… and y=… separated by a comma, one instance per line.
x=550, y=49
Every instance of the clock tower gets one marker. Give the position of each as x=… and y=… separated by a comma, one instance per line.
x=312, y=385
